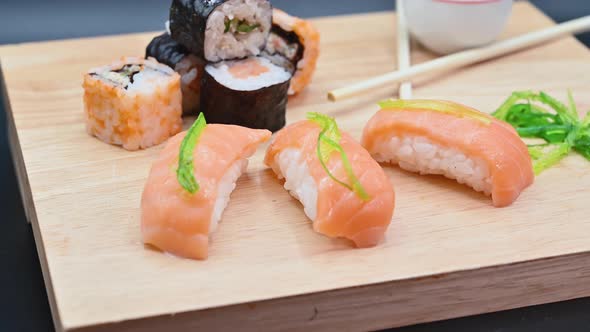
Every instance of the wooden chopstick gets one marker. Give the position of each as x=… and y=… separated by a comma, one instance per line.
x=403, y=49
x=466, y=57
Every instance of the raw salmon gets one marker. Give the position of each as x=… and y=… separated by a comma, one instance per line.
x=335, y=210
x=179, y=222
x=441, y=137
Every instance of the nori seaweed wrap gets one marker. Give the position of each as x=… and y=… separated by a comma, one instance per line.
x=294, y=44
x=190, y=67
x=283, y=48
x=221, y=29
x=167, y=51
x=250, y=93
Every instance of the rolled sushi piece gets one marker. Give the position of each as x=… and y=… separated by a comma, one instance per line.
x=218, y=30
x=344, y=192
x=190, y=68
x=450, y=139
x=250, y=93
x=190, y=184
x=133, y=102
x=294, y=44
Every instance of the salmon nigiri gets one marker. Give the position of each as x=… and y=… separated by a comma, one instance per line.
x=441, y=137
x=190, y=184
x=343, y=190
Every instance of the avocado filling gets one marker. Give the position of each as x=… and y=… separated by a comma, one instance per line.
x=237, y=26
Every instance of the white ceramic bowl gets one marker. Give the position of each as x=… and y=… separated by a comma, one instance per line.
x=447, y=26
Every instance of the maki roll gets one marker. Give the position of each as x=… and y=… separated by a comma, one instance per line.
x=218, y=30
x=190, y=67
x=250, y=93
x=133, y=102
x=294, y=44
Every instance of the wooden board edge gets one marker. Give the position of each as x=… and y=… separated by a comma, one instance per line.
x=78, y=39
x=238, y=312
x=27, y=197
x=392, y=304
x=16, y=154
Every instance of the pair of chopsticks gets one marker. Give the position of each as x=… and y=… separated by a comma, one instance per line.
x=406, y=72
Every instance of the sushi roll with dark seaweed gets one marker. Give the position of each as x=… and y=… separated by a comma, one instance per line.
x=190, y=67
x=294, y=44
x=250, y=93
x=218, y=30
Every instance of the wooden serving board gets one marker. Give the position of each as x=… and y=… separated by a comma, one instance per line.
x=448, y=252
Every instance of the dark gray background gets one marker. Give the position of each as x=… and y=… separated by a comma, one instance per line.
x=23, y=301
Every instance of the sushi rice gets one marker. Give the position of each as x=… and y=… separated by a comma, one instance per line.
x=454, y=140
x=419, y=154
x=250, y=92
x=190, y=69
x=221, y=45
x=180, y=222
x=273, y=75
x=295, y=44
x=335, y=209
x=226, y=186
x=291, y=166
x=133, y=102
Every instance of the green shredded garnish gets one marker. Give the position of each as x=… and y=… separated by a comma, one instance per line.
x=241, y=26
x=328, y=143
x=129, y=70
x=547, y=155
x=185, y=172
x=436, y=106
x=244, y=27
x=228, y=24
x=557, y=124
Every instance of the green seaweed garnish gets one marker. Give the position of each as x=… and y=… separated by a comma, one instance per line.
x=228, y=24
x=129, y=70
x=244, y=27
x=440, y=106
x=549, y=119
x=241, y=26
x=185, y=172
x=328, y=143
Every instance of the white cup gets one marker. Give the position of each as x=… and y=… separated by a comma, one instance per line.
x=447, y=26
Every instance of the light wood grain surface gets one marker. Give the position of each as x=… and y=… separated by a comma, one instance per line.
x=464, y=58
x=448, y=252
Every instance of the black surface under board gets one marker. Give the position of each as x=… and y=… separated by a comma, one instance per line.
x=23, y=300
